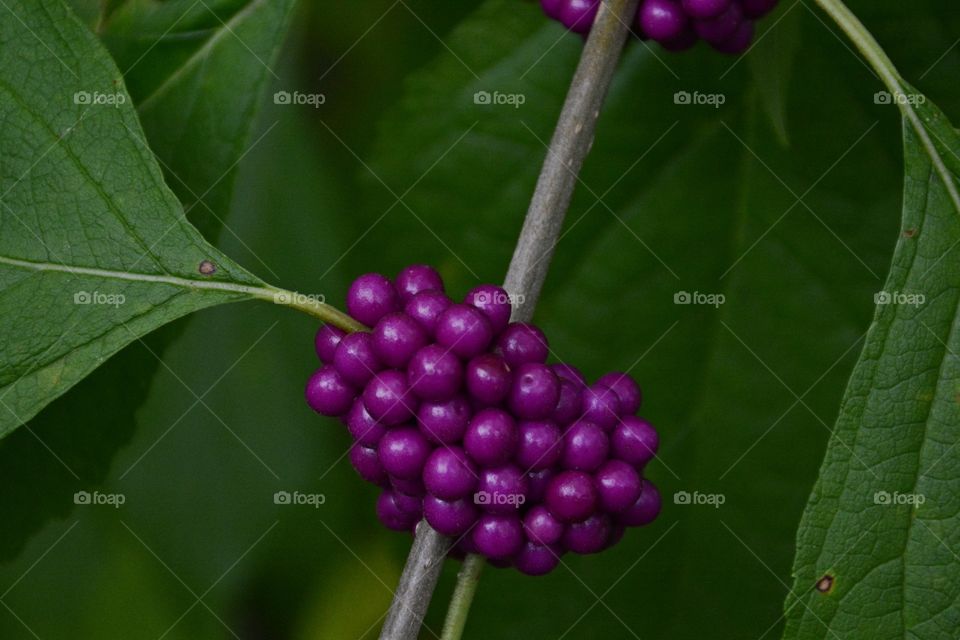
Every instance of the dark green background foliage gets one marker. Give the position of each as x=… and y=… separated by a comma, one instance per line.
x=786, y=200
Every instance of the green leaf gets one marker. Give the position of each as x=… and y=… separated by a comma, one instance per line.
x=880, y=532
x=95, y=250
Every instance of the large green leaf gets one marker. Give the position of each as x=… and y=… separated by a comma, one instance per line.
x=95, y=250
x=876, y=549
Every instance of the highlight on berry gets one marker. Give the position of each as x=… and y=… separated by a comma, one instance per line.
x=456, y=415
x=726, y=25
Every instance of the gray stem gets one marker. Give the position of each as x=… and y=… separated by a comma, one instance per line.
x=528, y=269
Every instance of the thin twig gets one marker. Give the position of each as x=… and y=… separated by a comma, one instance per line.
x=528, y=269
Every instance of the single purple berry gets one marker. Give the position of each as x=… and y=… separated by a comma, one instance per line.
x=578, y=15
x=403, y=451
x=585, y=446
x=541, y=527
x=535, y=392
x=618, y=486
x=388, y=399
x=635, y=441
x=756, y=9
x=328, y=393
x=722, y=27
x=540, y=445
x=569, y=404
x=371, y=296
x=464, y=330
x=626, y=389
x=444, y=422
x=494, y=302
x=488, y=379
x=412, y=487
x=498, y=536
x=367, y=464
x=739, y=41
x=589, y=536
x=571, y=496
x=392, y=516
x=522, y=342
x=601, y=406
x=449, y=474
x=569, y=372
x=537, y=483
x=491, y=439
x=355, y=359
x=434, y=373
x=326, y=341
x=426, y=308
x=396, y=338
x=553, y=8
x=450, y=517
x=501, y=489
x=702, y=9
x=645, y=509
x=537, y=560
x=661, y=19
x=361, y=425
x=416, y=278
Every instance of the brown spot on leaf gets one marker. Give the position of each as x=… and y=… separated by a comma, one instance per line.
x=207, y=268
x=825, y=584
x=909, y=233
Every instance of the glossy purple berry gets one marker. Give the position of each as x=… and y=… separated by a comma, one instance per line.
x=328, y=393
x=326, y=341
x=755, y=9
x=618, y=486
x=578, y=15
x=589, y=536
x=450, y=517
x=501, y=489
x=464, y=330
x=410, y=504
x=626, y=389
x=498, y=536
x=521, y=343
x=585, y=446
x=569, y=372
x=449, y=474
x=569, y=403
x=361, y=425
x=392, y=516
x=634, y=441
x=371, y=296
x=645, y=509
x=534, y=393
x=403, y=451
x=355, y=359
x=416, y=278
x=491, y=439
x=537, y=482
x=426, y=308
x=739, y=41
x=722, y=27
x=661, y=20
x=702, y=9
x=488, y=379
x=388, y=399
x=493, y=302
x=571, y=496
x=601, y=405
x=540, y=445
x=412, y=487
x=367, y=464
x=553, y=8
x=446, y=421
x=541, y=527
x=434, y=373
x=396, y=338
x=537, y=560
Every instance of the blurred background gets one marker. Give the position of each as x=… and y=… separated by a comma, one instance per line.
x=784, y=200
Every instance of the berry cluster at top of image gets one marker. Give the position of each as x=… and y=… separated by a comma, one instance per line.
x=726, y=25
x=456, y=415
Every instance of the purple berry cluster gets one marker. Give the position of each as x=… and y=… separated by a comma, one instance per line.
x=727, y=25
x=456, y=415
